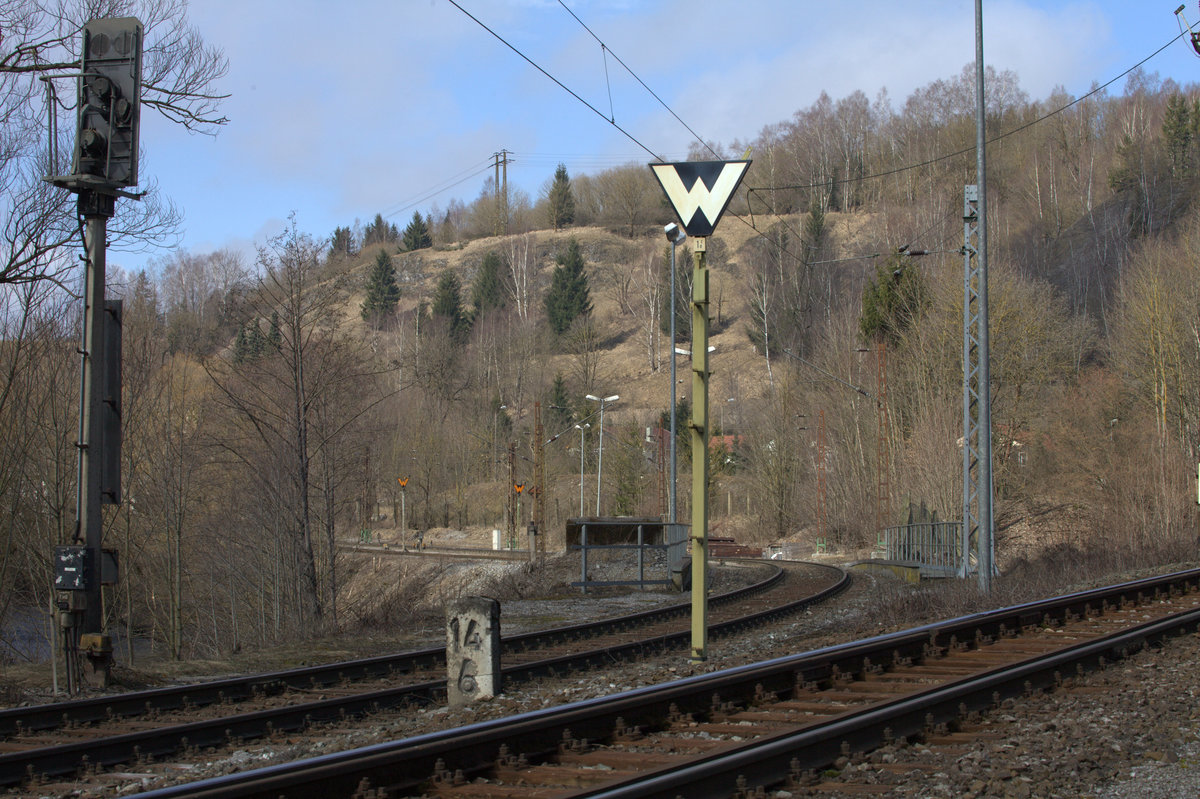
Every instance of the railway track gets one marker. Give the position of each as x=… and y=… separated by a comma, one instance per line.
x=61, y=739
x=742, y=731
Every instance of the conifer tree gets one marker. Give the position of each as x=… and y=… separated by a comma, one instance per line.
x=240, y=348
x=1177, y=135
x=447, y=305
x=892, y=301
x=486, y=291
x=379, y=232
x=561, y=200
x=274, y=335
x=342, y=243
x=382, y=290
x=256, y=344
x=569, y=296
x=416, y=235
x=560, y=403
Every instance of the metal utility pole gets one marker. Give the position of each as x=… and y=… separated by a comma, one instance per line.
x=582, y=443
x=977, y=399
x=676, y=237
x=821, y=513
x=600, y=455
x=883, y=454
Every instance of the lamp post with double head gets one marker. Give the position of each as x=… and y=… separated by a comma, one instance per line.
x=600, y=455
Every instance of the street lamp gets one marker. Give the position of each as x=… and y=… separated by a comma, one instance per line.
x=582, y=432
x=600, y=457
x=676, y=237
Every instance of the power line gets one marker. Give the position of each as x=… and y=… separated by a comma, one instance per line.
x=610, y=120
x=446, y=185
x=783, y=250
x=561, y=85
x=971, y=149
x=661, y=102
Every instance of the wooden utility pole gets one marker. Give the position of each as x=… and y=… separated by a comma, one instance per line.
x=539, y=480
x=512, y=494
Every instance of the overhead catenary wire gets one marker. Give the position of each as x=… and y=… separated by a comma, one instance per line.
x=695, y=135
x=612, y=121
x=560, y=84
x=750, y=190
x=634, y=75
x=971, y=149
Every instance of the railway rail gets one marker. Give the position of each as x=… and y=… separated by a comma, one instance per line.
x=53, y=740
x=744, y=730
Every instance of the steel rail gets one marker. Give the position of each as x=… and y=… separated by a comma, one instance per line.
x=407, y=764
x=137, y=703
x=774, y=758
x=66, y=758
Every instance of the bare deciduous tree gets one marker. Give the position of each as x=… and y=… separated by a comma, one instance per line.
x=179, y=76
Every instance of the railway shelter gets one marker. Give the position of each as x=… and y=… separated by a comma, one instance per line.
x=626, y=550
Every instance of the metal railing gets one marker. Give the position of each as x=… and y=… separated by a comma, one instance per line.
x=936, y=546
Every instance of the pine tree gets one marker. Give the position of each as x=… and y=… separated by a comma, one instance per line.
x=240, y=345
x=382, y=291
x=561, y=200
x=446, y=231
x=1177, y=135
x=447, y=305
x=569, y=296
x=416, y=235
x=256, y=345
x=274, y=335
x=892, y=301
x=560, y=403
x=379, y=232
x=486, y=291
x=342, y=243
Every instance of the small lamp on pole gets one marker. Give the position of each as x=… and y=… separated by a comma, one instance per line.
x=600, y=456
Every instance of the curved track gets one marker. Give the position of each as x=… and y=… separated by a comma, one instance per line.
x=744, y=730
x=45, y=740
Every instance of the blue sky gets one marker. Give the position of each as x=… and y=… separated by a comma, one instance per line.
x=339, y=113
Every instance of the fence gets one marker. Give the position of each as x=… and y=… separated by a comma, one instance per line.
x=936, y=546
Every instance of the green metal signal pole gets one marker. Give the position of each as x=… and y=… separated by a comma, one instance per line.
x=699, y=427
x=96, y=208
x=104, y=162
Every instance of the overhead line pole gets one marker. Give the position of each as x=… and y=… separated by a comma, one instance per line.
x=977, y=408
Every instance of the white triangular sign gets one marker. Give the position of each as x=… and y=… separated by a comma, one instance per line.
x=700, y=191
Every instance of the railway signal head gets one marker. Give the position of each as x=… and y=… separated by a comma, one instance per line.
x=110, y=87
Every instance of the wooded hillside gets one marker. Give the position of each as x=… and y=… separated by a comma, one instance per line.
x=271, y=407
